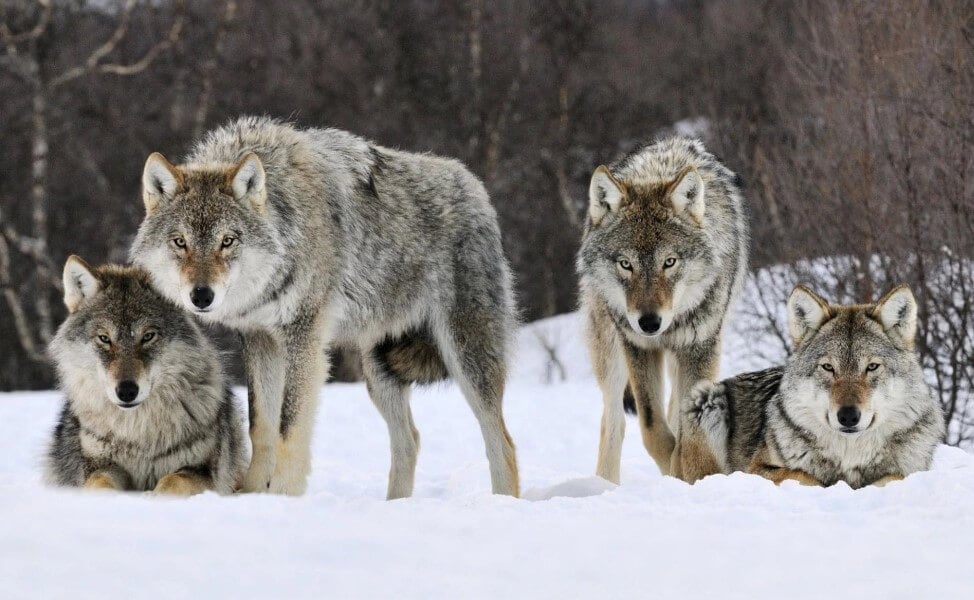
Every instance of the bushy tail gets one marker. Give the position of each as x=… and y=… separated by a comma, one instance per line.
x=413, y=358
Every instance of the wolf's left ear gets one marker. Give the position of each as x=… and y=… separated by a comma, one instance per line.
x=897, y=313
x=687, y=194
x=807, y=311
x=605, y=194
x=247, y=181
x=79, y=283
x=159, y=181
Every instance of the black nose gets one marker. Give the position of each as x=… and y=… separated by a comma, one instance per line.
x=201, y=297
x=127, y=391
x=650, y=323
x=848, y=416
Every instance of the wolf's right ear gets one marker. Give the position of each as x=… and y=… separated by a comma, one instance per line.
x=80, y=283
x=605, y=194
x=159, y=181
x=806, y=313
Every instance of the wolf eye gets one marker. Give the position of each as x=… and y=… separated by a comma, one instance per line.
x=669, y=262
x=179, y=242
x=104, y=339
x=228, y=241
x=828, y=367
x=148, y=337
x=625, y=264
x=872, y=367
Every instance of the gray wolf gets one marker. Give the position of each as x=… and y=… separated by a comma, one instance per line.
x=663, y=255
x=850, y=404
x=147, y=405
x=306, y=239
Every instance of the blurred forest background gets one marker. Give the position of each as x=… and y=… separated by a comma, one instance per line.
x=850, y=121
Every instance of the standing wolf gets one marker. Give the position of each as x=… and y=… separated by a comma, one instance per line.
x=849, y=405
x=147, y=405
x=663, y=256
x=301, y=239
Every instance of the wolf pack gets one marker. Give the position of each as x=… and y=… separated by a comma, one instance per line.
x=302, y=240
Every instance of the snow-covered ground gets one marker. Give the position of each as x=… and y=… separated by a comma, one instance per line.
x=573, y=536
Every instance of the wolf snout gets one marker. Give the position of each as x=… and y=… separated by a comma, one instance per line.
x=201, y=297
x=127, y=391
x=650, y=323
x=848, y=416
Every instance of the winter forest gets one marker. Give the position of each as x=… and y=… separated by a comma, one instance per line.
x=850, y=124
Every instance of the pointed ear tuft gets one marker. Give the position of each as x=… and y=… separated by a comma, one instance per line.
x=605, y=194
x=247, y=181
x=807, y=311
x=80, y=283
x=897, y=313
x=159, y=181
x=687, y=194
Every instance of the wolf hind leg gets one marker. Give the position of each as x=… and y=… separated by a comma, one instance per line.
x=702, y=449
x=475, y=356
x=391, y=397
x=264, y=363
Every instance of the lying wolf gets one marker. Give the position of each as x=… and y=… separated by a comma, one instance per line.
x=849, y=405
x=147, y=404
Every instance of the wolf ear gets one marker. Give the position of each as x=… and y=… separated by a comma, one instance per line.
x=806, y=313
x=605, y=194
x=687, y=194
x=247, y=181
x=79, y=283
x=897, y=313
x=159, y=181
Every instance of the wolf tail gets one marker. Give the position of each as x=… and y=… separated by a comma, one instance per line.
x=412, y=358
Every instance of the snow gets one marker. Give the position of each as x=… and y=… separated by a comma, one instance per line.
x=572, y=535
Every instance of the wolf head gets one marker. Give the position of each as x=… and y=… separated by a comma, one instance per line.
x=646, y=247
x=206, y=239
x=120, y=336
x=853, y=366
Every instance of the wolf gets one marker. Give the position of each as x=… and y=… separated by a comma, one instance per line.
x=663, y=256
x=306, y=239
x=849, y=405
x=147, y=405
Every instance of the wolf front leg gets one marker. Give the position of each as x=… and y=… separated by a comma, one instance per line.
x=766, y=465
x=108, y=478
x=646, y=380
x=264, y=361
x=185, y=482
x=305, y=366
x=612, y=375
x=688, y=366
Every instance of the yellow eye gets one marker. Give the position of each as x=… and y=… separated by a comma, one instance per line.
x=104, y=339
x=179, y=242
x=872, y=367
x=828, y=367
x=148, y=337
x=669, y=262
x=625, y=264
x=228, y=241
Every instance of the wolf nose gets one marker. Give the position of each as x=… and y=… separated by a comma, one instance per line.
x=201, y=297
x=848, y=416
x=650, y=323
x=127, y=391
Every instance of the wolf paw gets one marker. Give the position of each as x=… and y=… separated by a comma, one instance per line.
x=100, y=480
x=180, y=484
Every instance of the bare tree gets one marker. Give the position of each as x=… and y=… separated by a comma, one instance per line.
x=23, y=58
